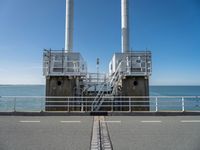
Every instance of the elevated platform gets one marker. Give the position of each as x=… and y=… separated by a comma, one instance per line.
x=60, y=63
x=136, y=63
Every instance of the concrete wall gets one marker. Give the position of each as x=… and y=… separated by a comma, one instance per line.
x=136, y=86
x=60, y=86
x=66, y=86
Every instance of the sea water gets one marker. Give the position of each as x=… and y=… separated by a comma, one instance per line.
x=174, y=102
x=22, y=103
x=36, y=104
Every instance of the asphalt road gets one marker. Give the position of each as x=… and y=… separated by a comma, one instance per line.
x=74, y=133
x=155, y=133
x=45, y=133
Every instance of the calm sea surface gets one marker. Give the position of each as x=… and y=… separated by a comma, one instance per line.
x=39, y=90
x=7, y=104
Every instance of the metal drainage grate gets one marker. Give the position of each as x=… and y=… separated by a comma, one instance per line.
x=100, y=135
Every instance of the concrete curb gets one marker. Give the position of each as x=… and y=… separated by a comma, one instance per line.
x=155, y=114
x=44, y=114
x=100, y=114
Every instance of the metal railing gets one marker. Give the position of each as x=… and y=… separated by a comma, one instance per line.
x=59, y=63
x=110, y=103
x=96, y=78
x=137, y=63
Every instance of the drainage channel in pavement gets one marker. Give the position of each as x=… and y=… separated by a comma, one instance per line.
x=100, y=135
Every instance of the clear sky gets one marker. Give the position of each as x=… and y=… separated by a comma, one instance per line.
x=169, y=28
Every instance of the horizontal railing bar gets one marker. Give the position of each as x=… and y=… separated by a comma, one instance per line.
x=66, y=106
x=159, y=103
x=163, y=101
x=84, y=105
x=106, y=101
x=97, y=102
x=100, y=111
x=171, y=105
x=102, y=97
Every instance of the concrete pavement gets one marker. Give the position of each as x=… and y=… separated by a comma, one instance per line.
x=155, y=133
x=45, y=133
x=74, y=133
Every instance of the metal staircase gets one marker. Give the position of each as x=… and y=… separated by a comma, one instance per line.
x=96, y=104
x=115, y=80
x=112, y=83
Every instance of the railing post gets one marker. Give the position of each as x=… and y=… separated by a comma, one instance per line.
x=112, y=105
x=103, y=99
x=156, y=104
x=68, y=104
x=183, y=104
x=129, y=104
x=86, y=104
x=41, y=106
x=91, y=107
x=81, y=103
x=14, y=104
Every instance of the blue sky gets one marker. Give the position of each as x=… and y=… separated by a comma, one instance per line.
x=169, y=28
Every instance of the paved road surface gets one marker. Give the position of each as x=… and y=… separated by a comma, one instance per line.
x=45, y=133
x=74, y=133
x=155, y=133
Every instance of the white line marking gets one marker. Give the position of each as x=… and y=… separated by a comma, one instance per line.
x=70, y=121
x=153, y=121
x=112, y=121
x=29, y=121
x=185, y=121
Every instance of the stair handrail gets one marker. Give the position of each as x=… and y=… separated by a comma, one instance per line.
x=98, y=97
x=115, y=74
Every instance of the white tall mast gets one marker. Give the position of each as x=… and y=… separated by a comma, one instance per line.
x=69, y=25
x=125, y=25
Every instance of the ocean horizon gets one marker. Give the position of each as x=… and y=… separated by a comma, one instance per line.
x=155, y=90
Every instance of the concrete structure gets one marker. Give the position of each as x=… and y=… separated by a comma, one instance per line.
x=130, y=73
x=64, y=70
x=131, y=69
x=64, y=76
